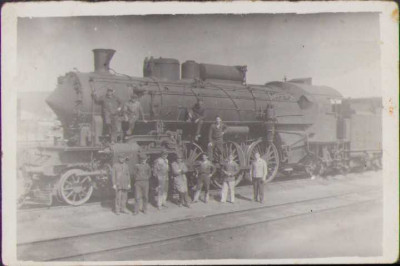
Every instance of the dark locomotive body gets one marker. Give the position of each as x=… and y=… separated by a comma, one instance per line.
x=293, y=124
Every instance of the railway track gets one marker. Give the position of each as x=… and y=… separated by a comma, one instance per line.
x=91, y=246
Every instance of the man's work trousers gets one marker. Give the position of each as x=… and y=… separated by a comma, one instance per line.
x=121, y=198
x=258, y=186
x=113, y=129
x=132, y=122
x=199, y=126
x=162, y=191
x=203, y=180
x=228, y=185
x=184, y=198
x=216, y=149
x=141, y=190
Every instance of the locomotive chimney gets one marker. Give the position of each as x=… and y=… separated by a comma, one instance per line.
x=102, y=58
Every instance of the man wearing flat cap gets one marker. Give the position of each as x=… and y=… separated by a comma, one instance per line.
x=160, y=171
x=110, y=111
x=132, y=111
x=141, y=177
x=179, y=170
x=205, y=170
x=121, y=181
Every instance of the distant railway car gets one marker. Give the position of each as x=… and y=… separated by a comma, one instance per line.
x=294, y=125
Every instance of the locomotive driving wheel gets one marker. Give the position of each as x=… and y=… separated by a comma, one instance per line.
x=191, y=153
x=75, y=189
x=269, y=153
x=229, y=147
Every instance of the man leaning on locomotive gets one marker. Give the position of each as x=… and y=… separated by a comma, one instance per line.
x=118, y=116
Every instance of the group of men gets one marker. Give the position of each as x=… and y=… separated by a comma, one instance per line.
x=205, y=169
x=118, y=116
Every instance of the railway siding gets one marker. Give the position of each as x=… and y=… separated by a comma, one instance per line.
x=71, y=221
x=82, y=247
x=99, y=230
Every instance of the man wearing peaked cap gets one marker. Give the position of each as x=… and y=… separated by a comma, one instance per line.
x=141, y=177
x=179, y=170
x=121, y=183
x=205, y=171
x=132, y=110
x=110, y=110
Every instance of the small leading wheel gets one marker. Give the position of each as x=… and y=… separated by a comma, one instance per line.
x=219, y=158
x=74, y=188
x=269, y=153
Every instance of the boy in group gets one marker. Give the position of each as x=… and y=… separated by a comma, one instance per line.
x=229, y=169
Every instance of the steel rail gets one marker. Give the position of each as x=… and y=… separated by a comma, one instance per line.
x=190, y=219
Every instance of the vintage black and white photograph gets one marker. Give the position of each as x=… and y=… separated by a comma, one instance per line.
x=202, y=137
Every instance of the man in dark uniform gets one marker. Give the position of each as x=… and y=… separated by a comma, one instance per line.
x=141, y=177
x=205, y=170
x=110, y=111
x=216, y=137
x=197, y=115
x=132, y=111
x=121, y=181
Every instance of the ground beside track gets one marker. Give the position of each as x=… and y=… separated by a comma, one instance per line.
x=344, y=232
x=58, y=223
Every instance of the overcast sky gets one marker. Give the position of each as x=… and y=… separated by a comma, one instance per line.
x=339, y=50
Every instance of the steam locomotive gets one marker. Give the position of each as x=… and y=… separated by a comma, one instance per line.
x=294, y=125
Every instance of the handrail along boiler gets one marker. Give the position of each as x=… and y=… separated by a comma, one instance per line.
x=289, y=123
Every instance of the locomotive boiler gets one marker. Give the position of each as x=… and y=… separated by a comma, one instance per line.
x=290, y=123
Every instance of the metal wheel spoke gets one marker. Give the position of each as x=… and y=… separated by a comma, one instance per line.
x=74, y=197
x=69, y=194
x=85, y=179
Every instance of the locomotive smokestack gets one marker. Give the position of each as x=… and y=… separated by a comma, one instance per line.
x=102, y=58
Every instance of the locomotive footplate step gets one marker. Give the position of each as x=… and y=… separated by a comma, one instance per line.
x=69, y=222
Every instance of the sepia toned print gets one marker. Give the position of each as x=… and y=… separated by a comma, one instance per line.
x=200, y=137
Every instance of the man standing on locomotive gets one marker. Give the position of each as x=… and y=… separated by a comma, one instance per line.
x=179, y=170
x=205, y=171
x=160, y=171
x=258, y=174
x=229, y=169
x=121, y=181
x=110, y=111
x=216, y=137
x=141, y=177
x=197, y=115
x=132, y=110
